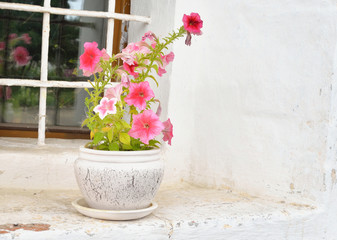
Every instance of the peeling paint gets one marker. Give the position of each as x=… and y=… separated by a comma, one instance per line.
x=37, y=227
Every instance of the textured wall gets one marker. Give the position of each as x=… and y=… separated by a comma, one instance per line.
x=250, y=99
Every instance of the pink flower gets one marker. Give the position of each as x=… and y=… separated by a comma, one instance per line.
x=21, y=56
x=90, y=58
x=146, y=126
x=105, y=107
x=161, y=71
x=149, y=35
x=26, y=38
x=128, y=54
x=139, y=94
x=166, y=59
x=131, y=69
x=125, y=81
x=168, y=131
x=2, y=46
x=12, y=36
x=114, y=92
x=192, y=24
x=105, y=55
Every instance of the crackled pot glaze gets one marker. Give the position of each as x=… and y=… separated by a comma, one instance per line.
x=119, y=180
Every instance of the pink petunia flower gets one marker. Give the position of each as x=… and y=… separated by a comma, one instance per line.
x=21, y=56
x=149, y=35
x=2, y=46
x=192, y=24
x=114, y=92
x=161, y=71
x=26, y=38
x=168, y=131
x=166, y=59
x=128, y=54
x=90, y=58
x=139, y=94
x=125, y=81
x=146, y=126
x=105, y=107
x=12, y=36
x=131, y=69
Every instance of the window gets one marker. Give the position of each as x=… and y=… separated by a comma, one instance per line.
x=40, y=43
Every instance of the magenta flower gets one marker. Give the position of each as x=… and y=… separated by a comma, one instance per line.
x=192, y=24
x=168, y=131
x=90, y=58
x=114, y=92
x=131, y=69
x=146, y=126
x=21, y=56
x=139, y=94
x=26, y=38
x=105, y=107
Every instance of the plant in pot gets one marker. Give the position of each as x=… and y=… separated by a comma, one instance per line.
x=121, y=168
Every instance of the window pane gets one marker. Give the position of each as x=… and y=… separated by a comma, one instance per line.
x=67, y=36
x=65, y=107
x=20, y=44
x=19, y=105
x=97, y=5
x=32, y=2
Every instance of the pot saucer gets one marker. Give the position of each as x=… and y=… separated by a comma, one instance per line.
x=83, y=208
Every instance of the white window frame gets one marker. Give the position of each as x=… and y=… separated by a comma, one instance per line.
x=43, y=83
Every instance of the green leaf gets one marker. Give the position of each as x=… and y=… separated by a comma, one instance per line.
x=124, y=138
x=118, y=126
x=154, y=79
x=102, y=147
x=98, y=137
x=110, y=135
x=127, y=147
x=114, y=147
x=125, y=124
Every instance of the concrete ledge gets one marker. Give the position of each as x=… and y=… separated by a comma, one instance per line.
x=184, y=213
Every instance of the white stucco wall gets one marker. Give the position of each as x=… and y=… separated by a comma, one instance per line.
x=250, y=99
x=253, y=101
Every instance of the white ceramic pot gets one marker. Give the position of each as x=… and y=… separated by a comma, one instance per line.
x=119, y=180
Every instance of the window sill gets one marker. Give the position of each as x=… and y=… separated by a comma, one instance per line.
x=183, y=213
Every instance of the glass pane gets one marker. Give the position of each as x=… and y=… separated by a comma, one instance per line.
x=20, y=57
x=32, y=2
x=67, y=37
x=97, y=5
x=20, y=44
x=19, y=105
x=65, y=107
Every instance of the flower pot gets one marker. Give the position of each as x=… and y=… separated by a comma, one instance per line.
x=119, y=180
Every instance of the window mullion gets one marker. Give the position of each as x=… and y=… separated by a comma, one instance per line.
x=44, y=75
x=110, y=28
